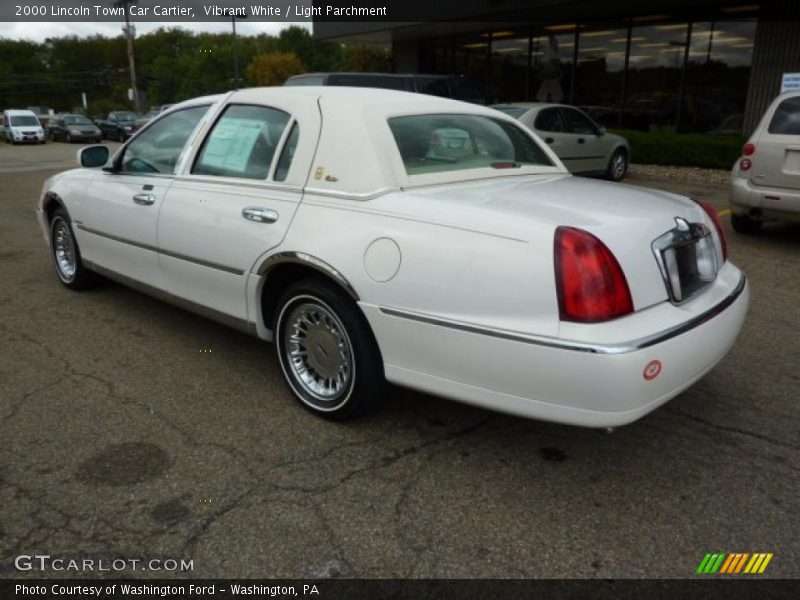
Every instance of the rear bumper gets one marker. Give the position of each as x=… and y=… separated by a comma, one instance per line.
x=600, y=385
x=763, y=203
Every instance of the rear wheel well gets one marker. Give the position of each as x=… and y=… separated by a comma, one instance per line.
x=282, y=276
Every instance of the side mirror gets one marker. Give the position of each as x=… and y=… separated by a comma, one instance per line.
x=601, y=131
x=92, y=157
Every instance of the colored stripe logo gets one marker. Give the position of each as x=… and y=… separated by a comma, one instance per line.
x=734, y=563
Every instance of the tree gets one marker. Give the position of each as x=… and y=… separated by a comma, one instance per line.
x=273, y=68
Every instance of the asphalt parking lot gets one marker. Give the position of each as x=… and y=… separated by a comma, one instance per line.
x=132, y=429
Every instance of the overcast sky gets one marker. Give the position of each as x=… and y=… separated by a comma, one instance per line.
x=39, y=31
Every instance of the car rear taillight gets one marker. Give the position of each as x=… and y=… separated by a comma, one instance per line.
x=748, y=150
x=714, y=215
x=590, y=283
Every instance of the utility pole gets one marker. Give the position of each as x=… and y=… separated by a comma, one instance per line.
x=131, y=61
x=235, y=55
x=235, y=52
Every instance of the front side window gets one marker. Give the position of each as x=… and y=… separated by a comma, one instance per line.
x=157, y=148
x=242, y=143
x=438, y=143
x=786, y=120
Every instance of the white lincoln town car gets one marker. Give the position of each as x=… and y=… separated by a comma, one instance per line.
x=376, y=235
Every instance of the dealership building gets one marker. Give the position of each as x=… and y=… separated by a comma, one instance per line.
x=672, y=65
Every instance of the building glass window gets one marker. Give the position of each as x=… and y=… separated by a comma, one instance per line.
x=655, y=67
x=509, y=66
x=717, y=75
x=600, y=71
x=552, y=54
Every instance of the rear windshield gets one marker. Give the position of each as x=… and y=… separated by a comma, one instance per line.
x=126, y=116
x=305, y=80
x=512, y=111
x=437, y=143
x=786, y=120
x=374, y=81
x=24, y=121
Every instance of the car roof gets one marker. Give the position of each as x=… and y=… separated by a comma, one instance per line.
x=363, y=97
x=19, y=111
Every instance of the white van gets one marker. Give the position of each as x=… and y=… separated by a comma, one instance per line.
x=23, y=126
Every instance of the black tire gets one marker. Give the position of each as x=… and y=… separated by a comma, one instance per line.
x=52, y=136
x=744, y=224
x=617, y=165
x=342, y=342
x=81, y=278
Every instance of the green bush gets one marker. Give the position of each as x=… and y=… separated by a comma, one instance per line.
x=683, y=149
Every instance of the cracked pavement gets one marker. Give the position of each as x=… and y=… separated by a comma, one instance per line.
x=119, y=438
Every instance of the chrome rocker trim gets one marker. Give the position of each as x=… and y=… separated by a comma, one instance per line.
x=551, y=342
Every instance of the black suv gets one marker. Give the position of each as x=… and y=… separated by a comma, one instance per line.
x=446, y=86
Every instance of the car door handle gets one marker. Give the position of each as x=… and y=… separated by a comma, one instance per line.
x=581, y=140
x=260, y=215
x=549, y=140
x=144, y=199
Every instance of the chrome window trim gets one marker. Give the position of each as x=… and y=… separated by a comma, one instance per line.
x=561, y=344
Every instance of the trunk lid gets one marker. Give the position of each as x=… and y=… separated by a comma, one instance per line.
x=627, y=219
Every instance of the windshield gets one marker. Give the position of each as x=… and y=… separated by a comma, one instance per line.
x=437, y=143
x=511, y=111
x=26, y=121
x=77, y=121
x=126, y=116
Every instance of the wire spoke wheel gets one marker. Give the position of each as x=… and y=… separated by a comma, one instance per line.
x=64, y=250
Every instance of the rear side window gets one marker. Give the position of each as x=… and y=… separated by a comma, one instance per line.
x=437, y=143
x=374, y=81
x=242, y=143
x=287, y=154
x=549, y=120
x=786, y=120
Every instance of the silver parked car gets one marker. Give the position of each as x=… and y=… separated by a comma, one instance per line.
x=583, y=146
x=765, y=181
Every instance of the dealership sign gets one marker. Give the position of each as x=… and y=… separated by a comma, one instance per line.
x=790, y=82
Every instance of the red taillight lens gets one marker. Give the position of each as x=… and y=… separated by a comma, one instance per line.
x=712, y=212
x=748, y=149
x=745, y=164
x=591, y=285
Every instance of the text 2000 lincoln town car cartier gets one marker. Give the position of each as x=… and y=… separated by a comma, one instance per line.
x=376, y=235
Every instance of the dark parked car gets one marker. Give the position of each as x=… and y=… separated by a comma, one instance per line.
x=120, y=125
x=74, y=128
x=446, y=86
